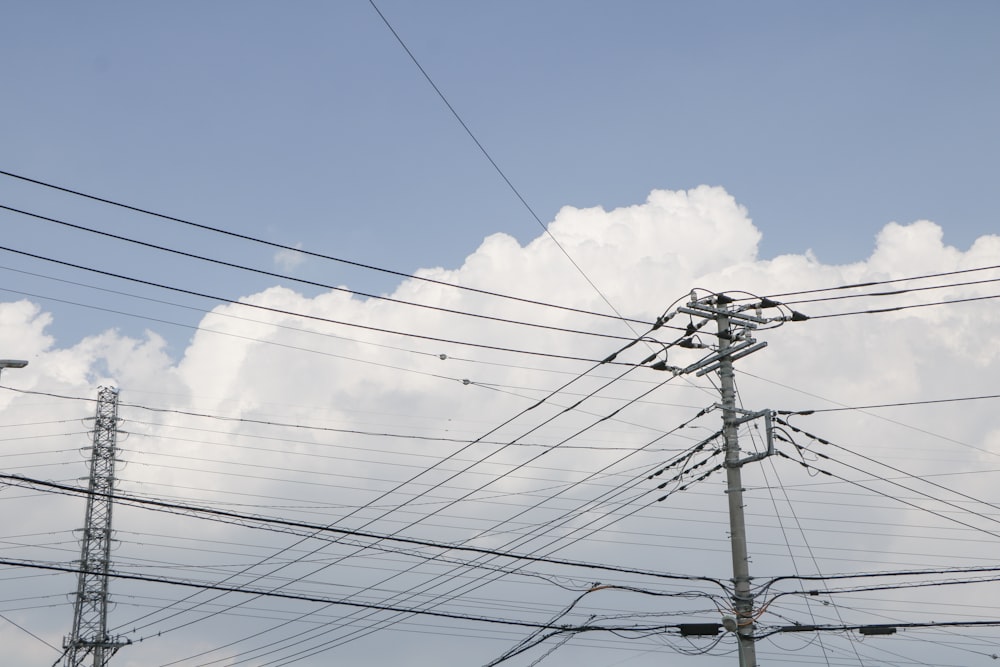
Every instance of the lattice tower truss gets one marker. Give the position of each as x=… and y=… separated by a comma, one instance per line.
x=89, y=642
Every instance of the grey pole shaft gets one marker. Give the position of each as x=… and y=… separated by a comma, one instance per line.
x=743, y=599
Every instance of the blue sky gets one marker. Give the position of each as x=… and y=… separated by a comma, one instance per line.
x=759, y=148
x=310, y=125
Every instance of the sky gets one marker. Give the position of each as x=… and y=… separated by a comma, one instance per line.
x=491, y=199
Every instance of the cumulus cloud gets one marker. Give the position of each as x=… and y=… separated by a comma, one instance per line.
x=319, y=421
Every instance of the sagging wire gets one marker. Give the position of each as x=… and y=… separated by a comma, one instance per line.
x=540, y=635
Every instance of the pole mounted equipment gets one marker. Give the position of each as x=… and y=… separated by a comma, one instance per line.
x=734, y=328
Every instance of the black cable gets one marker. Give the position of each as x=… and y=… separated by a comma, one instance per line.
x=412, y=593
x=875, y=283
x=886, y=626
x=194, y=510
x=891, y=497
x=886, y=405
x=876, y=311
x=590, y=529
x=53, y=567
x=497, y=168
x=29, y=632
x=467, y=494
x=302, y=281
x=309, y=253
x=897, y=292
x=529, y=536
x=290, y=313
x=896, y=470
x=495, y=429
x=303, y=427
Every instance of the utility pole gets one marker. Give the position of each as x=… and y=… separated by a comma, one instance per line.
x=89, y=642
x=734, y=342
x=742, y=597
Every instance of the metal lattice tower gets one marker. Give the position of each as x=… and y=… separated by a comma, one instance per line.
x=88, y=642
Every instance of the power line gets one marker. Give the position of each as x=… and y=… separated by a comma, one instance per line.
x=194, y=510
x=875, y=283
x=886, y=405
x=891, y=309
x=280, y=311
x=440, y=509
x=311, y=283
x=309, y=253
x=887, y=495
x=897, y=292
x=415, y=522
x=453, y=593
x=496, y=167
x=470, y=444
x=52, y=567
x=874, y=627
x=894, y=469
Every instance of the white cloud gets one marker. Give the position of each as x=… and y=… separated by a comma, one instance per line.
x=288, y=260
x=348, y=382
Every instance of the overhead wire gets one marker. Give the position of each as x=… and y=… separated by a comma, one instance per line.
x=893, y=468
x=441, y=575
x=875, y=283
x=553, y=546
x=905, y=425
x=57, y=567
x=288, y=313
x=285, y=327
x=303, y=281
x=801, y=531
x=900, y=404
x=308, y=253
x=266, y=522
x=490, y=432
x=913, y=505
x=315, y=318
x=898, y=292
x=892, y=309
x=496, y=167
x=546, y=525
x=404, y=528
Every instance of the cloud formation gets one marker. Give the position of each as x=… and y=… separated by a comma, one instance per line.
x=329, y=417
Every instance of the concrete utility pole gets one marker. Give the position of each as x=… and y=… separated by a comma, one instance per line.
x=734, y=342
x=742, y=597
x=88, y=642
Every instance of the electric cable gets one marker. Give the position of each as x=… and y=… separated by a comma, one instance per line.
x=454, y=592
x=887, y=405
x=366, y=633
x=497, y=168
x=311, y=283
x=453, y=502
x=894, y=469
x=875, y=283
x=56, y=567
x=892, y=309
x=490, y=432
x=308, y=253
x=665, y=317
x=280, y=311
x=194, y=510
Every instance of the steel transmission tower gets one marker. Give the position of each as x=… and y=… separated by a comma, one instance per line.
x=89, y=643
